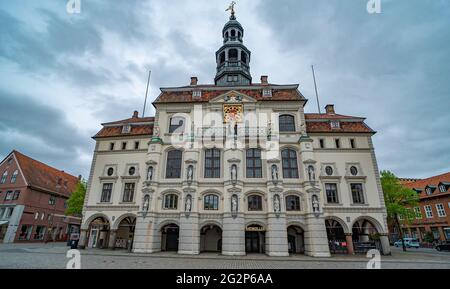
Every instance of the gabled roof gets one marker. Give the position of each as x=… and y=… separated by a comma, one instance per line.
x=321, y=123
x=429, y=182
x=41, y=176
x=139, y=126
x=184, y=94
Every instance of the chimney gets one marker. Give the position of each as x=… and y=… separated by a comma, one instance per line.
x=135, y=114
x=329, y=108
x=194, y=80
x=264, y=80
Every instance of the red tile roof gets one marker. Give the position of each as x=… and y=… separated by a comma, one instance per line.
x=329, y=116
x=136, y=130
x=433, y=181
x=184, y=94
x=41, y=176
x=320, y=123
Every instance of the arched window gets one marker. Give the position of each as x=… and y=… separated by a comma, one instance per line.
x=226, y=35
x=239, y=34
x=4, y=176
x=14, y=176
x=212, y=163
x=173, y=167
x=222, y=57
x=244, y=57
x=290, y=167
x=211, y=202
x=232, y=54
x=254, y=164
x=233, y=33
x=292, y=203
x=170, y=202
x=176, y=124
x=286, y=123
x=254, y=203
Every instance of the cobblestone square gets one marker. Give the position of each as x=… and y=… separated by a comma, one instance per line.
x=53, y=256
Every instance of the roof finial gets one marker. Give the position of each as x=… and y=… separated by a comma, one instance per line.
x=231, y=8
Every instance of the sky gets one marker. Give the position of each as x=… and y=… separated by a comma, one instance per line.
x=63, y=74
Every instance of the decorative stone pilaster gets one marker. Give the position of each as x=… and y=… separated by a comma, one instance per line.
x=233, y=235
x=316, y=240
x=385, y=246
x=349, y=240
x=146, y=236
x=112, y=239
x=83, y=239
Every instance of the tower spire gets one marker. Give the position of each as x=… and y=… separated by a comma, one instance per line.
x=233, y=58
x=231, y=9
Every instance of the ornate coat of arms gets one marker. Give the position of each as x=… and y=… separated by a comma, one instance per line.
x=233, y=113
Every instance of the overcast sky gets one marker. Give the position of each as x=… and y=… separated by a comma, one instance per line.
x=62, y=74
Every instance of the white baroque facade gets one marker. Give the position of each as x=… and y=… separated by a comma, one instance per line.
x=235, y=167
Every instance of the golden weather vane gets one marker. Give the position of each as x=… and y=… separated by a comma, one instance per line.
x=231, y=8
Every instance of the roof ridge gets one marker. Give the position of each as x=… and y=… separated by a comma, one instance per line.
x=34, y=160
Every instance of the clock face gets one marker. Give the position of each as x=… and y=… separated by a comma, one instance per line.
x=233, y=113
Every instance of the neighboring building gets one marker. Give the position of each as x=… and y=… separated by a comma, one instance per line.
x=235, y=167
x=433, y=212
x=33, y=199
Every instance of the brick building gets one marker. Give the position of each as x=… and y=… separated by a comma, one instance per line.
x=433, y=212
x=33, y=199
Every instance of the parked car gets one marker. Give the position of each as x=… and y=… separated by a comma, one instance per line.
x=409, y=243
x=443, y=247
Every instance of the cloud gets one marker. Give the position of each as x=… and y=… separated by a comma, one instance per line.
x=42, y=132
x=84, y=69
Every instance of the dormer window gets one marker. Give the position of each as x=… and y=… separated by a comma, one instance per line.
x=126, y=128
x=335, y=124
x=443, y=187
x=197, y=94
x=267, y=92
x=430, y=190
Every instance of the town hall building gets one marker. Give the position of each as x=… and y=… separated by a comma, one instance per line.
x=235, y=167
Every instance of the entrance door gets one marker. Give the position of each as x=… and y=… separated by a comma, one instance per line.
x=172, y=239
x=93, y=236
x=291, y=244
x=252, y=242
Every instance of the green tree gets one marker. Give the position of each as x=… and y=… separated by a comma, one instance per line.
x=399, y=201
x=76, y=200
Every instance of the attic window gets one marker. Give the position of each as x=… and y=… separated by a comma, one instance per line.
x=126, y=128
x=442, y=188
x=267, y=92
x=429, y=190
x=197, y=93
x=335, y=124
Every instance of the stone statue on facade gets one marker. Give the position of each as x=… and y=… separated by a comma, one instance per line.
x=146, y=205
x=234, y=204
x=274, y=173
x=234, y=173
x=150, y=173
x=311, y=174
x=188, y=205
x=190, y=173
x=315, y=204
x=276, y=204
